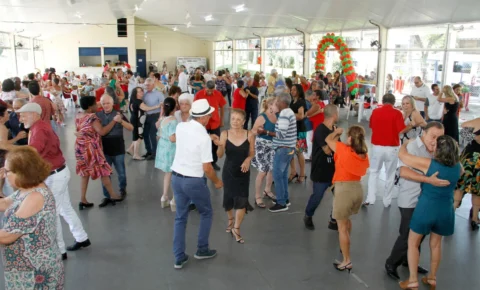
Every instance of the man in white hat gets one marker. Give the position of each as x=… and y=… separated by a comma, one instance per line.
x=193, y=160
x=42, y=137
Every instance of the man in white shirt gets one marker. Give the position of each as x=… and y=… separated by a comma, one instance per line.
x=433, y=108
x=183, y=80
x=420, y=93
x=193, y=160
x=132, y=82
x=208, y=76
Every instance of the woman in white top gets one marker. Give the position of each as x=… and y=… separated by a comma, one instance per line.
x=412, y=118
x=389, y=84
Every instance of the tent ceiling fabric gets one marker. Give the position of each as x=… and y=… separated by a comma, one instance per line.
x=265, y=18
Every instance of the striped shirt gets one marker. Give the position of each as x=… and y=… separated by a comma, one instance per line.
x=285, y=129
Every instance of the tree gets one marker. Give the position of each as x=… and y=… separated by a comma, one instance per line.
x=429, y=42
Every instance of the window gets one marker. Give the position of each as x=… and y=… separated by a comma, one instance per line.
x=465, y=35
x=247, y=61
x=223, y=45
x=464, y=67
x=426, y=37
x=223, y=60
x=23, y=55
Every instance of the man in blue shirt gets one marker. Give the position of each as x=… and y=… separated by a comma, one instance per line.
x=19, y=133
x=151, y=98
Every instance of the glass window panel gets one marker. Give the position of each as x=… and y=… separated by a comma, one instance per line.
x=7, y=68
x=223, y=60
x=242, y=44
x=425, y=37
x=247, y=61
x=274, y=42
x=464, y=67
x=253, y=42
x=293, y=42
x=406, y=66
x=465, y=35
x=4, y=40
x=223, y=45
x=368, y=36
x=39, y=60
x=353, y=39
x=24, y=62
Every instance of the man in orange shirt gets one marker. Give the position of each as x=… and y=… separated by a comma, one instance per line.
x=387, y=124
x=217, y=101
x=48, y=107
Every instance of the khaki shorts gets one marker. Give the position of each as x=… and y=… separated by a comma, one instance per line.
x=347, y=199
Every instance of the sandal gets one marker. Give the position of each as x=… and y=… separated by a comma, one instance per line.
x=292, y=177
x=303, y=179
x=408, y=285
x=237, y=237
x=259, y=204
x=230, y=226
x=426, y=281
x=270, y=196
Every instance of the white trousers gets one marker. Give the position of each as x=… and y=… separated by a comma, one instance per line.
x=308, y=154
x=58, y=184
x=382, y=155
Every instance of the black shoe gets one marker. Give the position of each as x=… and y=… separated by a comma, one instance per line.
x=392, y=271
x=207, y=254
x=278, y=208
x=146, y=155
x=79, y=245
x=192, y=207
x=471, y=212
x=64, y=256
x=123, y=193
x=106, y=201
x=181, y=263
x=420, y=269
x=332, y=226
x=474, y=225
x=150, y=157
x=82, y=205
x=307, y=220
x=216, y=167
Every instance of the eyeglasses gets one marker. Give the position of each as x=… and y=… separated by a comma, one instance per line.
x=6, y=171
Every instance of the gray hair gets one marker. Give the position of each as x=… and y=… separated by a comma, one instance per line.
x=149, y=81
x=105, y=96
x=21, y=101
x=274, y=71
x=284, y=98
x=279, y=90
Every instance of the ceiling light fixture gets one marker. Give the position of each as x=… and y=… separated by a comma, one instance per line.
x=78, y=15
x=189, y=24
x=240, y=8
x=136, y=7
x=209, y=17
x=187, y=16
x=175, y=28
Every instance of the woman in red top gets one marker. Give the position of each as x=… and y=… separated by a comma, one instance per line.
x=315, y=114
x=351, y=163
x=239, y=96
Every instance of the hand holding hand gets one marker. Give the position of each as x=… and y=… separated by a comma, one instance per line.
x=215, y=139
x=218, y=184
x=339, y=131
x=260, y=130
x=21, y=135
x=118, y=118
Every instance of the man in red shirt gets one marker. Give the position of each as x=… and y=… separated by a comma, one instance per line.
x=216, y=100
x=387, y=124
x=48, y=108
x=42, y=137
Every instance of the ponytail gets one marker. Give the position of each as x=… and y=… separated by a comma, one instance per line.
x=357, y=135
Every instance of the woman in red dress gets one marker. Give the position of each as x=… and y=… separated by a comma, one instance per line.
x=315, y=114
x=239, y=96
x=91, y=162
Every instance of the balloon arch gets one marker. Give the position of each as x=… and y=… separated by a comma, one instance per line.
x=347, y=64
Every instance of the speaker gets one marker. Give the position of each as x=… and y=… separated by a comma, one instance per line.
x=122, y=27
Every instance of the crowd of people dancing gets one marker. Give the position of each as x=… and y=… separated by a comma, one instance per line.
x=272, y=120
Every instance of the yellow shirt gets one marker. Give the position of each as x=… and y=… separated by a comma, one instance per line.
x=271, y=84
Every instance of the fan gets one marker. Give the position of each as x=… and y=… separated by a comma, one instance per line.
x=19, y=45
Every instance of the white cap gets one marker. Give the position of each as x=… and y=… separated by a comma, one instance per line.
x=30, y=107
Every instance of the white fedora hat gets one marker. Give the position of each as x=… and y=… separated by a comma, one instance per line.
x=201, y=108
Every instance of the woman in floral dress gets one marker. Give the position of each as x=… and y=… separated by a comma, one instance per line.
x=166, y=146
x=31, y=257
x=91, y=162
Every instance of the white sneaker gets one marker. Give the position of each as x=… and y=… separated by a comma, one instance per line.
x=164, y=202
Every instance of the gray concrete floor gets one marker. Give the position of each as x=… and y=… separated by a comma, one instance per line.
x=132, y=242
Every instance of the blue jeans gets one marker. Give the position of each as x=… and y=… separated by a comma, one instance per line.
x=281, y=164
x=185, y=190
x=319, y=189
x=150, y=133
x=119, y=164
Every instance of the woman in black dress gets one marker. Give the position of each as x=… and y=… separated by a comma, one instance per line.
x=299, y=107
x=138, y=120
x=239, y=147
x=450, y=118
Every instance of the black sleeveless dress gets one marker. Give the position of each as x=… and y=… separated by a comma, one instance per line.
x=235, y=182
x=450, y=120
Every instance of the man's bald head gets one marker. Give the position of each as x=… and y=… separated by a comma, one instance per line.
x=107, y=103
